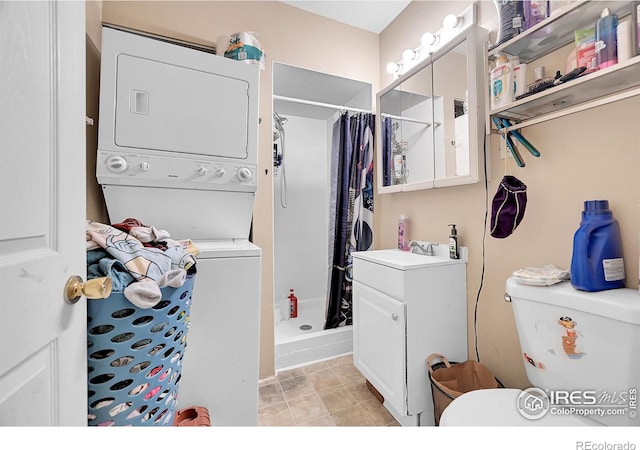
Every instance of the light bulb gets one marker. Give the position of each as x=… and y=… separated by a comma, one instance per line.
x=393, y=67
x=451, y=21
x=429, y=39
x=409, y=54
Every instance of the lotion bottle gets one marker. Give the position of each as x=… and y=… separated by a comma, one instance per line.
x=453, y=242
x=519, y=77
x=501, y=83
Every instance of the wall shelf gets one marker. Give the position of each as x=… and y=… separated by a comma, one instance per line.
x=558, y=30
x=604, y=86
x=622, y=77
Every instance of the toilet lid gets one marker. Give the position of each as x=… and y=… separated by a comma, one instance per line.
x=498, y=407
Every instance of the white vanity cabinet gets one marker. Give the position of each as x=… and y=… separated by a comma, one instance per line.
x=405, y=307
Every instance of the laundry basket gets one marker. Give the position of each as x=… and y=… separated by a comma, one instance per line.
x=451, y=380
x=134, y=357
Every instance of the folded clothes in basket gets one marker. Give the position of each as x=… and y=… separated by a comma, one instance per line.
x=149, y=267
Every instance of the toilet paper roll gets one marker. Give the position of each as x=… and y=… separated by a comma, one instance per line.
x=625, y=49
x=241, y=46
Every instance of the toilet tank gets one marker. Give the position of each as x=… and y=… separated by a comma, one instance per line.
x=573, y=340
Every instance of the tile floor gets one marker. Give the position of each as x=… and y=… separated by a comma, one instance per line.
x=327, y=393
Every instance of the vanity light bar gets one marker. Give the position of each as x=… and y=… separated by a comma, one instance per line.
x=452, y=26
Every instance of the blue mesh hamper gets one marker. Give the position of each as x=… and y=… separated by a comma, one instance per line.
x=134, y=358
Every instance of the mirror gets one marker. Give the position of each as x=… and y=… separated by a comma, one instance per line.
x=451, y=140
x=431, y=119
x=407, y=127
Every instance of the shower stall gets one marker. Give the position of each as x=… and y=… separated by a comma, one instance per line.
x=306, y=105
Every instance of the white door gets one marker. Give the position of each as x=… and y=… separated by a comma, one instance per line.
x=379, y=344
x=43, y=370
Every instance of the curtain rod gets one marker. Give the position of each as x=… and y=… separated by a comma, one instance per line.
x=324, y=105
x=408, y=119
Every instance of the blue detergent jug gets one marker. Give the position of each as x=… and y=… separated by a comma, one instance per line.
x=597, y=263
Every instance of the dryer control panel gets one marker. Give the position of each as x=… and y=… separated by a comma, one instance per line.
x=177, y=171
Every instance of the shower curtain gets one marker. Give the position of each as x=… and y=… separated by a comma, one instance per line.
x=351, y=208
x=387, y=151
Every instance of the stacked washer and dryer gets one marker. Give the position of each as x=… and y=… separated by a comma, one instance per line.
x=177, y=150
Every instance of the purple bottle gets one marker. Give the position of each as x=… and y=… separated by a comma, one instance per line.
x=534, y=11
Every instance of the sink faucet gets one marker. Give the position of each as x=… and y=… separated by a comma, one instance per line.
x=426, y=248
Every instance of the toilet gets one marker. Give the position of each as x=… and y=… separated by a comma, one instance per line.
x=580, y=351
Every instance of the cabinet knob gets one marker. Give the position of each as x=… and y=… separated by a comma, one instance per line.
x=394, y=317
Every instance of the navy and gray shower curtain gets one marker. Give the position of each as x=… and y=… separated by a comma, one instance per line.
x=351, y=208
x=387, y=151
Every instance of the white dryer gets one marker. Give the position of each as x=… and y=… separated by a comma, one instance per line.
x=177, y=149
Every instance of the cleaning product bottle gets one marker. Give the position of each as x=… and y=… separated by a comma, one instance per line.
x=453, y=242
x=501, y=83
x=597, y=263
x=294, y=304
x=606, y=40
x=403, y=224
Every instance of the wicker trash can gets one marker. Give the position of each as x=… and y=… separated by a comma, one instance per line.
x=134, y=358
x=451, y=380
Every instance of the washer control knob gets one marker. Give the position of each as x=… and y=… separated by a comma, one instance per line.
x=220, y=171
x=145, y=166
x=244, y=174
x=117, y=164
x=202, y=171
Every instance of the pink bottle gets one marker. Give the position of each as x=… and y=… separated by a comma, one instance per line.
x=403, y=242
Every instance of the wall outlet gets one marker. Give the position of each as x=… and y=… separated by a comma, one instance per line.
x=504, y=152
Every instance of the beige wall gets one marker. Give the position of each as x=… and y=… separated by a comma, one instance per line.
x=288, y=35
x=589, y=155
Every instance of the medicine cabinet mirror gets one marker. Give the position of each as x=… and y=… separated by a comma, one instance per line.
x=431, y=120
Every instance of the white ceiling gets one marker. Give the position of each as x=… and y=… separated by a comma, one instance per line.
x=372, y=16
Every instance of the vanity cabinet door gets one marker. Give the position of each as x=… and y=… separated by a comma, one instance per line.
x=379, y=342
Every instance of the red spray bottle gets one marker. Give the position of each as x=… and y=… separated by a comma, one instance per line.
x=294, y=304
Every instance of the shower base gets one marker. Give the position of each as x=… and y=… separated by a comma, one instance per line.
x=302, y=340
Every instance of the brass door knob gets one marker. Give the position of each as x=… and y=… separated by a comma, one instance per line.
x=95, y=288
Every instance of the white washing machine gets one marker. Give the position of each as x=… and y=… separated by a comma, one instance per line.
x=177, y=149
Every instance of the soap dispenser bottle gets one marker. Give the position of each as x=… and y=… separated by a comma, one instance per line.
x=453, y=243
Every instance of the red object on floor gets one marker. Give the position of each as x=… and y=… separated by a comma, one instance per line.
x=194, y=416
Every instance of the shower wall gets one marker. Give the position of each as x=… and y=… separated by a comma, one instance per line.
x=301, y=229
